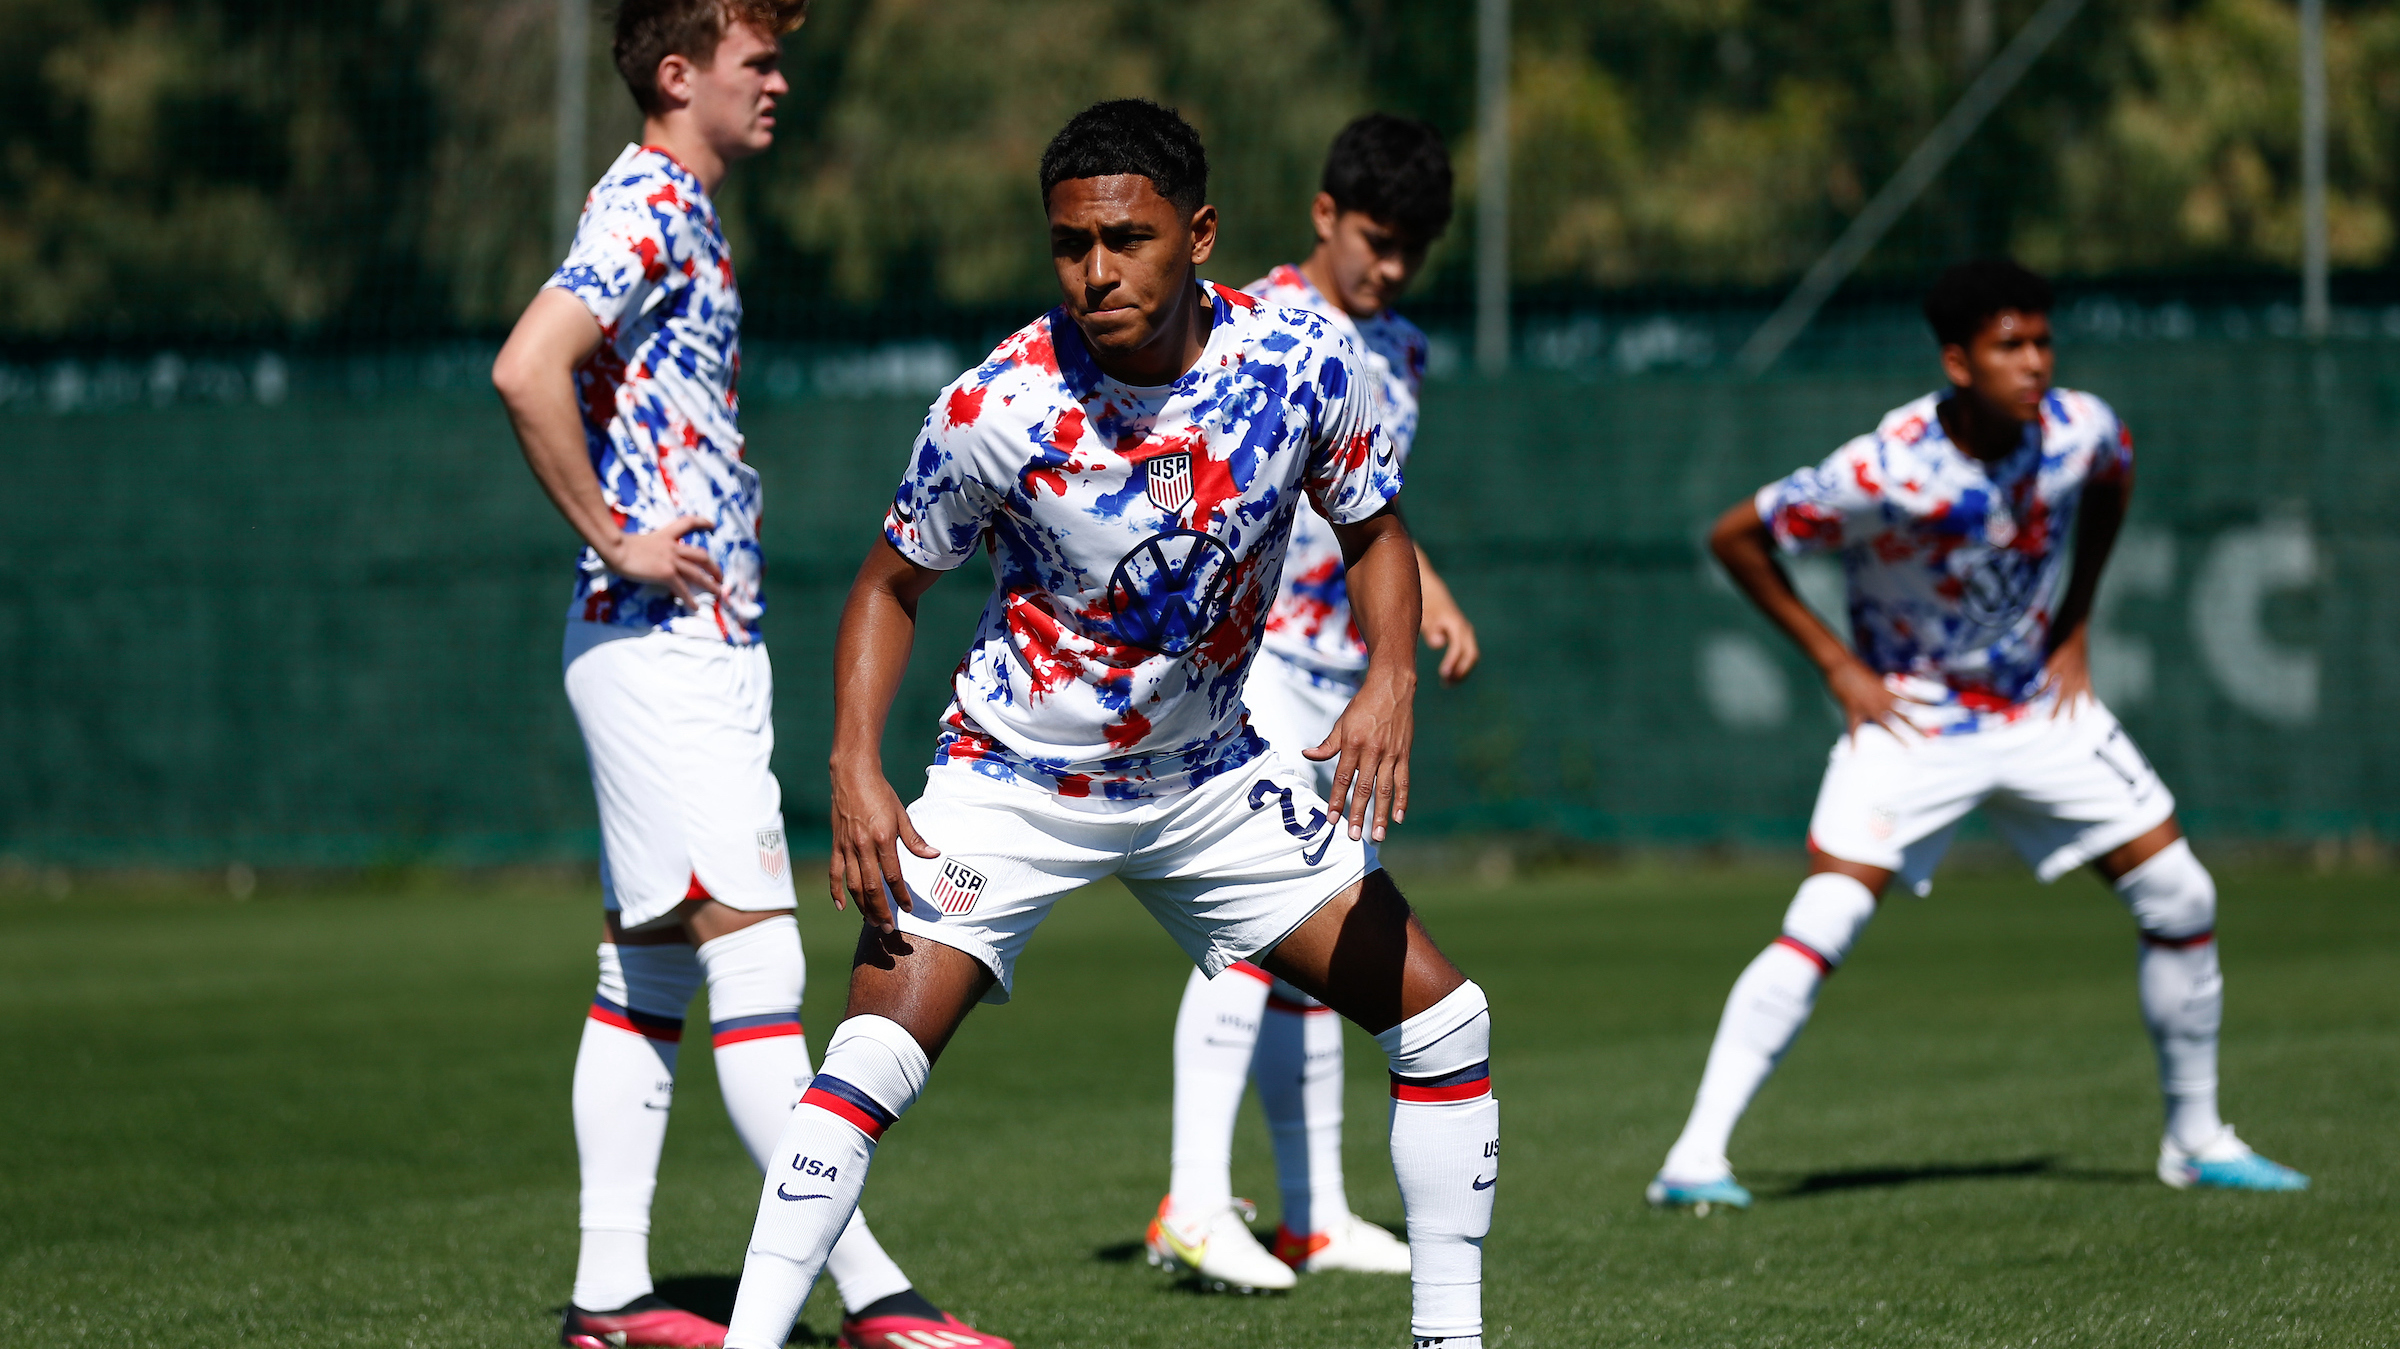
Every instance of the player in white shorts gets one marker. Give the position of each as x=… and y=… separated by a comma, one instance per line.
x=619, y=379
x=1385, y=198
x=1133, y=463
x=1967, y=687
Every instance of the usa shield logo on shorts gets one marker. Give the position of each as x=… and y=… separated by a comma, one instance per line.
x=771, y=853
x=957, y=888
x=1170, y=480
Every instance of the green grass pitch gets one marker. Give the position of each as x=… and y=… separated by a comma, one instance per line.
x=341, y=1118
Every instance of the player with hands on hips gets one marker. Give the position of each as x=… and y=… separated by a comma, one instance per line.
x=1133, y=463
x=1965, y=685
x=619, y=380
x=1385, y=199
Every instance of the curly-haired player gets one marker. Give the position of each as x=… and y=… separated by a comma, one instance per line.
x=1965, y=686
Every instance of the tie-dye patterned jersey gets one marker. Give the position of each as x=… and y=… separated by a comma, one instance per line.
x=1311, y=622
x=1135, y=535
x=1955, y=567
x=659, y=414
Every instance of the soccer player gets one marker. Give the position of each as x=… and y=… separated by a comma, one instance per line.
x=1133, y=462
x=619, y=379
x=1968, y=687
x=1385, y=199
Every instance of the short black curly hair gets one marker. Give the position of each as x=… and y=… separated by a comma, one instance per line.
x=1968, y=294
x=1396, y=170
x=1135, y=136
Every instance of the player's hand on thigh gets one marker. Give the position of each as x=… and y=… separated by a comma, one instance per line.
x=869, y=824
x=1864, y=699
x=661, y=557
x=2067, y=674
x=1371, y=743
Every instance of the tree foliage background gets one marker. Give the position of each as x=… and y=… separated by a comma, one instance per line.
x=383, y=167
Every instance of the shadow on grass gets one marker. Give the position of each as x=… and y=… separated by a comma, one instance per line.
x=1892, y=1177
x=711, y=1295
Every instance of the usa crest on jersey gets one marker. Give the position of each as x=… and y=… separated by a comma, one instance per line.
x=1170, y=481
x=957, y=888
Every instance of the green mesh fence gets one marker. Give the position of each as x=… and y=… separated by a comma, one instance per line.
x=308, y=611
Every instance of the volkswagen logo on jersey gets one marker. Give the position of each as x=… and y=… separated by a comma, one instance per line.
x=1172, y=588
x=957, y=888
x=1170, y=481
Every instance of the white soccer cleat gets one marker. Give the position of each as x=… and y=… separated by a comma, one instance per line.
x=1217, y=1249
x=2226, y=1163
x=1355, y=1245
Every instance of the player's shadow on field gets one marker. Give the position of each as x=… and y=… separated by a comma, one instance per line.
x=711, y=1295
x=1785, y=1186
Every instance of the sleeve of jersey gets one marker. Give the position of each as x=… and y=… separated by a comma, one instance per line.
x=939, y=512
x=620, y=255
x=1826, y=506
x=2115, y=461
x=1352, y=472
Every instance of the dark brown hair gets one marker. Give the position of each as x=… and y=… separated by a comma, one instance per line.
x=650, y=31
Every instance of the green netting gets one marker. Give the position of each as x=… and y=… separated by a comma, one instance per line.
x=319, y=622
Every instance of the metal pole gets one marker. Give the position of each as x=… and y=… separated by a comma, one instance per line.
x=1491, y=185
x=568, y=182
x=1916, y=174
x=2316, y=310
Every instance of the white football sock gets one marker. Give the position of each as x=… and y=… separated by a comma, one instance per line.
x=1216, y=1029
x=1769, y=1004
x=1298, y=1068
x=873, y=1072
x=1446, y=1154
x=624, y=1085
x=2174, y=900
x=756, y=977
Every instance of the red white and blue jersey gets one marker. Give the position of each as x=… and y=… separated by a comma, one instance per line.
x=1310, y=623
x=659, y=413
x=1956, y=567
x=1136, y=536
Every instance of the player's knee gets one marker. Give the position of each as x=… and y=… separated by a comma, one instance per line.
x=657, y=980
x=2172, y=896
x=755, y=969
x=1442, y=1053
x=1827, y=915
x=874, y=1070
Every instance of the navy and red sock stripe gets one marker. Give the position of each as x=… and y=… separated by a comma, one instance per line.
x=1812, y=954
x=2180, y=943
x=648, y=1024
x=1467, y=1084
x=830, y=1093
x=735, y=1030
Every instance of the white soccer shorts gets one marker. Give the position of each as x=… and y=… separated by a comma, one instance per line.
x=679, y=731
x=2061, y=791
x=1294, y=708
x=1228, y=868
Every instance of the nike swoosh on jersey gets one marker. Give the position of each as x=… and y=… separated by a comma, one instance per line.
x=1483, y=1184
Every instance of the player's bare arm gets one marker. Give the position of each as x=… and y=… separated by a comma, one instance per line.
x=1372, y=739
x=879, y=624
x=1445, y=627
x=2068, y=670
x=1745, y=548
x=535, y=376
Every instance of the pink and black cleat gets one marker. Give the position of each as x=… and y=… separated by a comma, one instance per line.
x=914, y=1332
x=647, y=1320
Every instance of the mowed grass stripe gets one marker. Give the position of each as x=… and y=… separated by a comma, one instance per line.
x=342, y=1119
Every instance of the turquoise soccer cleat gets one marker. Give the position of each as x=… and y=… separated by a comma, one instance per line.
x=2225, y=1164
x=1700, y=1197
